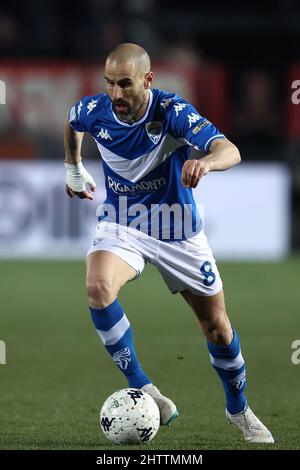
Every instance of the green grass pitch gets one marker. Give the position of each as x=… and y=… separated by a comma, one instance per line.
x=57, y=373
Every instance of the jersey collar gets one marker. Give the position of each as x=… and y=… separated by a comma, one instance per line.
x=140, y=120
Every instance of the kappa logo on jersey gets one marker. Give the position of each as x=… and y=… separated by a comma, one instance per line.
x=122, y=358
x=154, y=131
x=193, y=117
x=179, y=107
x=200, y=126
x=104, y=134
x=166, y=102
x=91, y=105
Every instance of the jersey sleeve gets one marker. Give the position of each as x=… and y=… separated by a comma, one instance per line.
x=189, y=126
x=76, y=116
x=82, y=114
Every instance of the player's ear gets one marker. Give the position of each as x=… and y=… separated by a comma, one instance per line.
x=149, y=77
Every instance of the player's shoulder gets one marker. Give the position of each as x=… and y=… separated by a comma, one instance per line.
x=170, y=104
x=84, y=112
x=87, y=110
x=166, y=100
x=93, y=103
x=174, y=110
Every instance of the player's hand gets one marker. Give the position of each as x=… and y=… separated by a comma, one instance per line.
x=192, y=172
x=81, y=194
x=79, y=182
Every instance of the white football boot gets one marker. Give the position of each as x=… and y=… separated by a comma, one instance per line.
x=167, y=409
x=252, y=428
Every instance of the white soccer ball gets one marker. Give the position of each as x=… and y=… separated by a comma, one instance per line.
x=129, y=416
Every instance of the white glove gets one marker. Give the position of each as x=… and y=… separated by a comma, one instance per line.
x=78, y=177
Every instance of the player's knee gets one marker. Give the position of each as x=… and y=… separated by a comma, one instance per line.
x=101, y=292
x=218, y=331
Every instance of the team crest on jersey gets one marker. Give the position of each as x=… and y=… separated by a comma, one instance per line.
x=154, y=131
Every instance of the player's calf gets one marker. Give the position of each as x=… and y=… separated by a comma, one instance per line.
x=115, y=332
x=228, y=362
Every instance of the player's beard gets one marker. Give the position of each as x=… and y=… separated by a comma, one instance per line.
x=129, y=113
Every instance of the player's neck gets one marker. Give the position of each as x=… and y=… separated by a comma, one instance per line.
x=141, y=111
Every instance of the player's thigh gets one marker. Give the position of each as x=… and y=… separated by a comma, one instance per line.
x=107, y=268
x=189, y=265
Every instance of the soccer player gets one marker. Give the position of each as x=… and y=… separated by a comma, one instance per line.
x=144, y=137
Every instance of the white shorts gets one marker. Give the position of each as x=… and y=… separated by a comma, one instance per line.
x=187, y=264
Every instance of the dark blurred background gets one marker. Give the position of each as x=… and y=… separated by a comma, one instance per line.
x=236, y=61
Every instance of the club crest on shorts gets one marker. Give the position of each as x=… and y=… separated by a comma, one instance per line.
x=154, y=131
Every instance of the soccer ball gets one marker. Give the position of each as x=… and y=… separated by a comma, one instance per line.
x=129, y=416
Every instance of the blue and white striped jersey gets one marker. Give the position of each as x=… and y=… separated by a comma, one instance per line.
x=142, y=161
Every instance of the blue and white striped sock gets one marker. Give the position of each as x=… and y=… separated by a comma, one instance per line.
x=230, y=366
x=115, y=331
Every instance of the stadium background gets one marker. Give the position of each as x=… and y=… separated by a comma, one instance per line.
x=236, y=63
